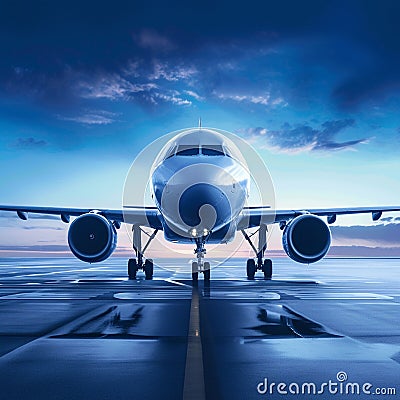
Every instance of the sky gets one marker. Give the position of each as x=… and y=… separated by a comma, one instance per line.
x=313, y=85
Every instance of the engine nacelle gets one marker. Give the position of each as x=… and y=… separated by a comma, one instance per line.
x=92, y=238
x=306, y=239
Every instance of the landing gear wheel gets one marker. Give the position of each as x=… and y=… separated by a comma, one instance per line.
x=148, y=269
x=267, y=268
x=195, y=271
x=132, y=268
x=207, y=273
x=251, y=268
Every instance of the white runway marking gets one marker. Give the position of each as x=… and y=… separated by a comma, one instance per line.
x=341, y=296
x=154, y=294
x=45, y=296
x=75, y=271
x=244, y=295
x=194, y=385
x=170, y=280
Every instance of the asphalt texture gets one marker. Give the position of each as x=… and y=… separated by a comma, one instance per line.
x=70, y=330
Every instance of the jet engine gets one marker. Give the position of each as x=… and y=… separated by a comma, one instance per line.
x=92, y=238
x=306, y=239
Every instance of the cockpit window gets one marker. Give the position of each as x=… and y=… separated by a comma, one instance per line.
x=171, y=152
x=212, y=150
x=187, y=150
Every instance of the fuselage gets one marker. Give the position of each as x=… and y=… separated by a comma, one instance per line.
x=200, y=184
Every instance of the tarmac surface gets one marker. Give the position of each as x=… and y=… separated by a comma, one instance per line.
x=70, y=330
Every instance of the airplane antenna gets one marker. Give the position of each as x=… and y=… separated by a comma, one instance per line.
x=200, y=123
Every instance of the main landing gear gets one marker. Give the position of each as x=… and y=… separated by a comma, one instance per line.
x=264, y=265
x=135, y=264
x=199, y=265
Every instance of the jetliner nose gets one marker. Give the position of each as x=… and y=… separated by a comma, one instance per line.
x=205, y=207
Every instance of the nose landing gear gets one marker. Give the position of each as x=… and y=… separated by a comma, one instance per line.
x=199, y=265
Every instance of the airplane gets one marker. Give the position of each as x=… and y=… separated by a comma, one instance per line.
x=200, y=185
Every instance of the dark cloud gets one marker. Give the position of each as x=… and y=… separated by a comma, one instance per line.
x=369, y=89
x=373, y=235
x=390, y=219
x=94, y=117
x=363, y=251
x=60, y=58
x=378, y=76
x=339, y=146
x=151, y=39
x=304, y=137
x=29, y=143
x=108, y=34
x=41, y=43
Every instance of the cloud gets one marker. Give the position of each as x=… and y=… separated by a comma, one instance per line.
x=163, y=70
x=363, y=251
x=29, y=143
x=134, y=84
x=173, y=98
x=193, y=94
x=300, y=138
x=357, y=60
x=390, y=219
x=150, y=39
x=381, y=235
x=339, y=146
x=264, y=99
x=368, y=87
x=99, y=117
x=112, y=87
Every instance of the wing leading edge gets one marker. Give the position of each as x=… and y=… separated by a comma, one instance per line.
x=151, y=217
x=254, y=216
x=144, y=216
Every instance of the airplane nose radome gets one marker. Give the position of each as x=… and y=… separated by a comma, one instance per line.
x=204, y=205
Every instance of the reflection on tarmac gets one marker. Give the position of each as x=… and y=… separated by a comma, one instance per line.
x=280, y=322
x=68, y=331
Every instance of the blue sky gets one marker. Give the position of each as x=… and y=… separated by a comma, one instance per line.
x=84, y=86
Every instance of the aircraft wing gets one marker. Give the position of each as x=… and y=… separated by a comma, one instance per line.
x=254, y=216
x=144, y=216
x=150, y=216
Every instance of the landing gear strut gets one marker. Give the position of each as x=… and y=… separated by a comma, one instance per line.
x=135, y=264
x=199, y=265
x=264, y=265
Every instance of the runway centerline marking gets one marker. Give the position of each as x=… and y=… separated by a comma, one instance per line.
x=194, y=387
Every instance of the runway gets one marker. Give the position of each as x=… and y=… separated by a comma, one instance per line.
x=70, y=330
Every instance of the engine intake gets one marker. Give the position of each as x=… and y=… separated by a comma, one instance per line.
x=306, y=239
x=92, y=238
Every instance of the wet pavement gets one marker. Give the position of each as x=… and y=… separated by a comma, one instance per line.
x=69, y=330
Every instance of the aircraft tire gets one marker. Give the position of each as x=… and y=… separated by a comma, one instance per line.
x=267, y=268
x=251, y=268
x=132, y=268
x=148, y=269
x=207, y=271
x=195, y=271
